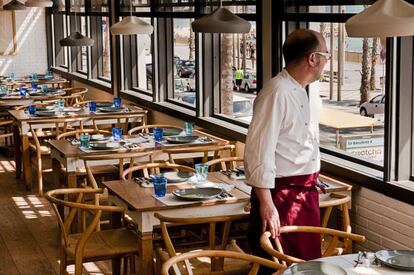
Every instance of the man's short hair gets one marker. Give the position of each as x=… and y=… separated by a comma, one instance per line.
x=299, y=44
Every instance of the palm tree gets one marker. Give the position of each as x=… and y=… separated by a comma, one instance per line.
x=364, y=89
x=191, y=41
x=226, y=74
x=373, y=63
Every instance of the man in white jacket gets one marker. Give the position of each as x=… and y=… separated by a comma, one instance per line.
x=282, y=148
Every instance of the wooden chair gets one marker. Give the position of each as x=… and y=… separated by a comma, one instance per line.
x=6, y=127
x=278, y=254
x=89, y=245
x=74, y=95
x=225, y=163
x=339, y=201
x=153, y=168
x=44, y=129
x=123, y=120
x=146, y=128
x=200, y=266
x=204, y=151
x=255, y=262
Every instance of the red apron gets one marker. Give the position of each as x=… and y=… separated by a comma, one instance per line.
x=296, y=199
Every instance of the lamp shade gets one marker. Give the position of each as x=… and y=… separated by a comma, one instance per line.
x=385, y=18
x=221, y=21
x=131, y=25
x=76, y=39
x=14, y=5
x=39, y=3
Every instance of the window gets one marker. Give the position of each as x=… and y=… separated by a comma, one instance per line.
x=82, y=52
x=105, y=54
x=351, y=86
x=183, y=61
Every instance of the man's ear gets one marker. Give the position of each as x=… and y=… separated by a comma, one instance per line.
x=313, y=60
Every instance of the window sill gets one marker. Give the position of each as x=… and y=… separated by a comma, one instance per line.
x=96, y=83
x=367, y=177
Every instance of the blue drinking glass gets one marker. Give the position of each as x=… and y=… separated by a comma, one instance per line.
x=158, y=134
x=117, y=102
x=12, y=76
x=201, y=170
x=160, y=185
x=34, y=86
x=116, y=133
x=188, y=128
x=45, y=88
x=92, y=106
x=22, y=91
x=32, y=110
x=84, y=140
x=35, y=77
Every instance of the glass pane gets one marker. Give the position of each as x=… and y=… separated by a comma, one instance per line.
x=84, y=50
x=144, y=69
x=176, y=5
x=352, y=91
x=65, y=34
x=300, y=6
x=77, y=5
x=184, y=61
x=137, y=6
x=106, y=51
x=236, y=6
x=100, y=5
x=238, y=75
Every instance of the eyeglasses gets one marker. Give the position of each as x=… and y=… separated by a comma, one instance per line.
x=326, y=55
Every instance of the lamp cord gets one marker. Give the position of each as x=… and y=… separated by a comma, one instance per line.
x=76, y=19
x=130, y=7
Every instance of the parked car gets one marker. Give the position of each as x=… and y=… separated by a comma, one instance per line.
x=373, y=106
x=248, y=83
x=185, y=68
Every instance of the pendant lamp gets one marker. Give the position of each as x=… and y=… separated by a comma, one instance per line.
x=131, y=25
x=14, y=5
x=39, y=3
x=76, y=39
x=385, y=18
x=221, y=21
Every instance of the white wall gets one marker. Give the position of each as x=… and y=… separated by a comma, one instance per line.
x=31, y=44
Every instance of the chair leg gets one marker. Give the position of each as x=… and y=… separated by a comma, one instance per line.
x=39, y=177
x=63, y=264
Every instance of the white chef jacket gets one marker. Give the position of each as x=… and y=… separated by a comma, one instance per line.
x=283, y=137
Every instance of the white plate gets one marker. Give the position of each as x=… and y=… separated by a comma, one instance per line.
x=398, y=259
x=314, y=268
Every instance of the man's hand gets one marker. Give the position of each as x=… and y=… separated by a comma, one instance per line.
x=270, y=218
x=268, y=212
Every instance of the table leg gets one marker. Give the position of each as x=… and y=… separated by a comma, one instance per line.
x=71, y=180
x=145, y=249
x=116, y=222
x=17, y=152
x=27, y=167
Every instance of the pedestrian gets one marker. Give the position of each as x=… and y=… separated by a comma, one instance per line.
x=238, y=76
x=282, y=149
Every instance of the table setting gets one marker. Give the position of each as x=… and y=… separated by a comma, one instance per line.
x=384, y=262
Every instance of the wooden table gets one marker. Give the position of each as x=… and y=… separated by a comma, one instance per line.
x=140, y=205
x=342, y=120
x=21, y=130
x=347, y=263
x=69, y=155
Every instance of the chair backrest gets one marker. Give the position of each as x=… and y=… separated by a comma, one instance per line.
x=212, y=226
x=77, y=133
x=6, y=125
x=75, y=207
x=57, y=126
x=147, y=128
x=122, y=120
x=74, y=95
x=254, y=260
x=225, y=163
x=85, y=103
x=154, y=168
x=205, y=151
x=120, y=158
x=278, y=254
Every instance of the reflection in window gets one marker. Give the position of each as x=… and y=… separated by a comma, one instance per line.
x=144, y=69
x=352, y=90
x=83, y=58
x=184, y=61
x=238, y=75
x=105, y=66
